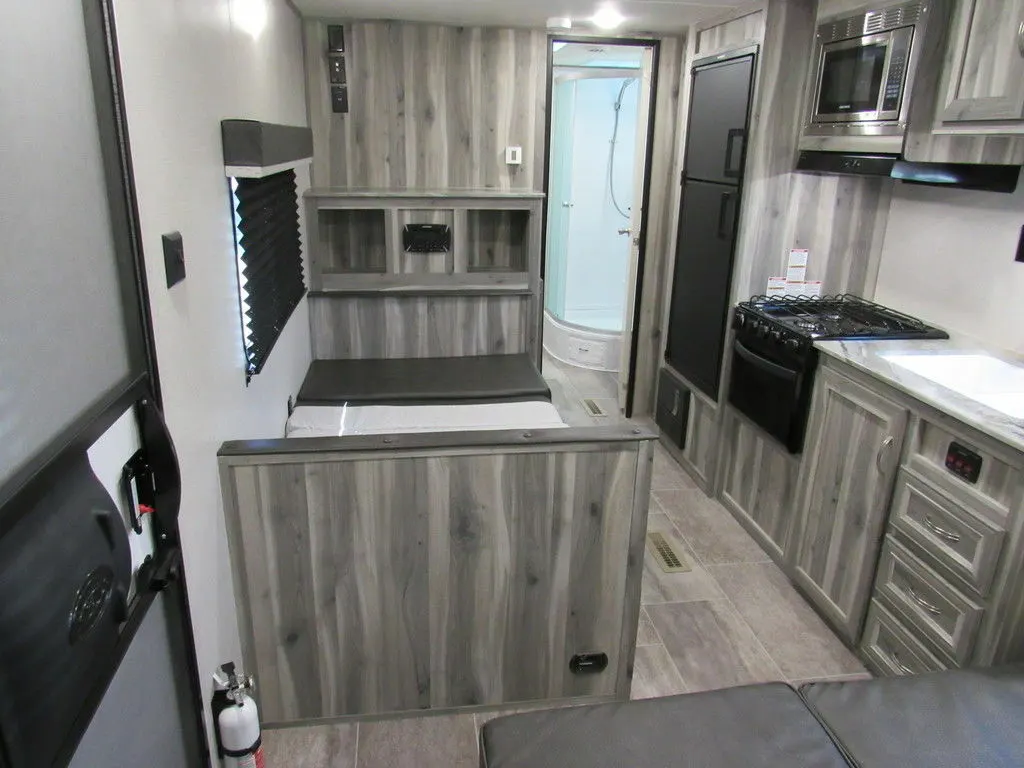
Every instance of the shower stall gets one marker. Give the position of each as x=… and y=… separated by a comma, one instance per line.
x=595, y=116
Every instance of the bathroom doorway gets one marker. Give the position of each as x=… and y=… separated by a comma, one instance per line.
x=601, y=105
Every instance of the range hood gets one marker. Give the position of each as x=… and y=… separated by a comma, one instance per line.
x=986, y=178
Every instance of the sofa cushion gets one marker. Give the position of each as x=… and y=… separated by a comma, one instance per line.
x=763, y=725
x=956, y=718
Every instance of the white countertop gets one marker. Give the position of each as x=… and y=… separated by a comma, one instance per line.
x=871, y=358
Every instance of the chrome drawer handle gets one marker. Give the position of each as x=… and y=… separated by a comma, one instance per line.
x=899, y=664
x=883, y=454
x=933, y=610
x=942, y=533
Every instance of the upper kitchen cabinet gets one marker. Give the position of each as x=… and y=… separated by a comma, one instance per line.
x=986, y=64
x=849, y=469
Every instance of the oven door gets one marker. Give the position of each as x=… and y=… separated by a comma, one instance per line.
x=773, y=393
x=862, y=80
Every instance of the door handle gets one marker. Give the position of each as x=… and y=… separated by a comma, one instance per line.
x=730, y=148
x=768, y=366
x=625, y=231
x=934, y=610
x=1020, y=38
x=883, y=454
x=567, y=204
x=723, y=207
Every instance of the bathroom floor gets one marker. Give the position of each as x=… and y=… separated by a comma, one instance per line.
x=732, y=619
x=571, y=385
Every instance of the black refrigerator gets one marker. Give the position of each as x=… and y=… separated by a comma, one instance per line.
x=709, y=211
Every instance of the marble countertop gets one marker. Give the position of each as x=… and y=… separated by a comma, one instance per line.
x=869, y=357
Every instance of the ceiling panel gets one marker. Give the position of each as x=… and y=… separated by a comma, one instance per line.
x=641, y=15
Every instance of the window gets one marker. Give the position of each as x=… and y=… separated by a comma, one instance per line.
x=269, y=252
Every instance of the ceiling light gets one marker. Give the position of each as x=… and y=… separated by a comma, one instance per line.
x=607, y=17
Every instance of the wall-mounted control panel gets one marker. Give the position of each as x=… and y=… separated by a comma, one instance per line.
x=427, y=238
x=963, y=462
x=336, y=70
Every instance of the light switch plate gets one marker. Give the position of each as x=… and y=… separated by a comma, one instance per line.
x=514, y=155
x=174, y=258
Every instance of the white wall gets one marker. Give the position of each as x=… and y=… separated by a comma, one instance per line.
x=949, y=259
x=187, y=65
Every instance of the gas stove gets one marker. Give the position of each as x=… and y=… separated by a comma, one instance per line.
x=774, y=359
x=830, y=317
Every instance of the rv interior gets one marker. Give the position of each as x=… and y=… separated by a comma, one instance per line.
x=525, y=384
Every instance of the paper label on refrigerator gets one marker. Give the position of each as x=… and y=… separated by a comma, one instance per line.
x=812, y=288
x=776, y=286
x=798, y=257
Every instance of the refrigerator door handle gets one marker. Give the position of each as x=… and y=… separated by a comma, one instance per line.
x=730, y=148
x=723, y=218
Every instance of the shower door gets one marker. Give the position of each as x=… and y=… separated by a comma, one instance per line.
x=560, y=196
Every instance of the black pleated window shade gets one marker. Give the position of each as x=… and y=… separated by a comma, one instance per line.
x=269, y=249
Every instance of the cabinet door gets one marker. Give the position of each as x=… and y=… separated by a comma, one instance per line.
x=986, y=80
x=849, y=468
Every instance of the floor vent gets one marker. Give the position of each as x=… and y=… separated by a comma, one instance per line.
x=593, y=408
x=665, y=556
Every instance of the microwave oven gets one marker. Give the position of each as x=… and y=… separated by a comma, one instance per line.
x=862, y=77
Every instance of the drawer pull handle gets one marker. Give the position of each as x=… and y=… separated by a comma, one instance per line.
x=899, y=664
x=942, y=533
x=933, y=610
x=881, y=458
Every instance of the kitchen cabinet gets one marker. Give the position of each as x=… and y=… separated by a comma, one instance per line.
x=985, y=71
x=853, y=449
x=759, y=482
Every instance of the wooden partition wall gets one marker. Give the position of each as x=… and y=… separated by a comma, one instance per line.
x=402, y=572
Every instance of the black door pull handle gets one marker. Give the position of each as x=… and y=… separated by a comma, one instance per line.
x=730, y=149
x=723, y=218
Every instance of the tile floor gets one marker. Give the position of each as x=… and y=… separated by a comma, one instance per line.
x=732, y=619
x=570, y=385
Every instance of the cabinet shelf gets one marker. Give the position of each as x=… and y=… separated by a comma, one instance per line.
x=357, y=248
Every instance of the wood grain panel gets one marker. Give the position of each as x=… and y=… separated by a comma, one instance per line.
x=934, y=81
x=497, y=241
x=351, y=241
x=988, y=77
x=854, y=442
x=759, y=483
x=355, y=327
x=432, y=107
x=659, y=236
x=436, y=580
x=731, y=34
x=841, y=220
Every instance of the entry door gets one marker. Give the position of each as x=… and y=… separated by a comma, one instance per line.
x=636, y=226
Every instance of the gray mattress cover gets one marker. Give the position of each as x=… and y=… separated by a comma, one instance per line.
x=420, y=381
x=942, y=720
x=748, y=727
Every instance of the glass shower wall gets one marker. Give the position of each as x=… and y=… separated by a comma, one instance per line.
x=594, y=123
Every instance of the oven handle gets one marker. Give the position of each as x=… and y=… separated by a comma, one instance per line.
x=768, y=366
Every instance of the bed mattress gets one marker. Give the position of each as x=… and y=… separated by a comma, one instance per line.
x=338, y=421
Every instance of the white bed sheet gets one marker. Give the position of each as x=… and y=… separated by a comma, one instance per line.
x=337, y=421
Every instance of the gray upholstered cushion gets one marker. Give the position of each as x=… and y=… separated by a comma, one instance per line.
x=764, y=725
x=943, y=720
x=482, y=379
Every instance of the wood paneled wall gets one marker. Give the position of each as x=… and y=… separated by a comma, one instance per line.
x=376, y=326
x=431, y=107
x=732, y=33
x=841, y=220
x=671, y=102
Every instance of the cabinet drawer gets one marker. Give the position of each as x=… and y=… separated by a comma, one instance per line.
x=993, y=491
x=958, y=538
x=931, y=606
x=891, y=648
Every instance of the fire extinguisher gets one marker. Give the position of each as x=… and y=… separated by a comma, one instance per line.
x=236, y=719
